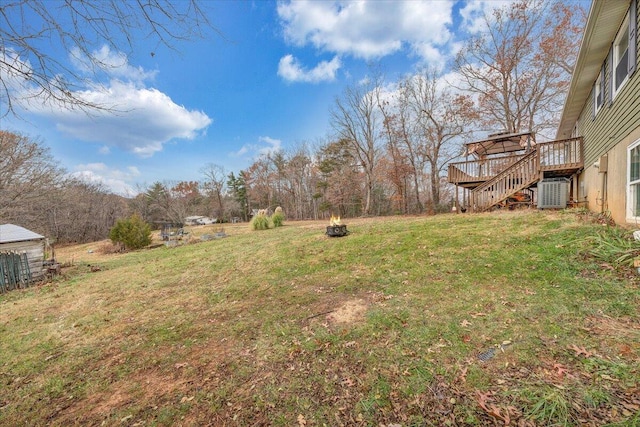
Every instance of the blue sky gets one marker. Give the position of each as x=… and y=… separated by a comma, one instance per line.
x=268, y=83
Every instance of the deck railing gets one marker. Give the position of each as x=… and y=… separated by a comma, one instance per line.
x=519, y=176
x=479, y=170
x=553, y=155
x=562, y=154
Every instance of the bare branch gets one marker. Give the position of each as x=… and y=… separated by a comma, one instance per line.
x=29, y=73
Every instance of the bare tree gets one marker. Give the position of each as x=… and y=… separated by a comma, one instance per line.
x=299, y=184
x=356, y=119
x=81, y=212
x=441, y=119
x=37, y=194
x=403, y=143
x=27, y=174
x=28, y=28
x=261, y=183
x=515, y=68
x=214, y=185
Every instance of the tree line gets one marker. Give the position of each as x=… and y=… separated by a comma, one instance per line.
x=389, y=143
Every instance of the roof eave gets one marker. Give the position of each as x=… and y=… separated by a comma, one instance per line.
x=603, y=22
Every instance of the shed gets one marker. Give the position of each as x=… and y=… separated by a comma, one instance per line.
x=14, y=238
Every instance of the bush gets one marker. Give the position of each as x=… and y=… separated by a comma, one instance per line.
x=614, y=245
x=260, y=221
x=131, y=232
x=278, y=217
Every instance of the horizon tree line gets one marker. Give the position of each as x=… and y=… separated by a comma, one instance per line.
x=389, y=146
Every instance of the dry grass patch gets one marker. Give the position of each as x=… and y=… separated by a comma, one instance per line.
x=348, y=312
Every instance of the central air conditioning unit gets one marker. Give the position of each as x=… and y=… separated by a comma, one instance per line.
x=552, y=193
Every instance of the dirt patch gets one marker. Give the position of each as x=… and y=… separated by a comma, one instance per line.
x=622, y=327
x=349, y=312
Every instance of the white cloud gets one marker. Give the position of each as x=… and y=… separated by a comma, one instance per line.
x=118, y=181
x=428, y=53
x=475, y=14
x=114, y=64
x=290, y=69
x=137, y=118
x=367, y=29
x=147, y=119
x=260, y=149
x=273, y=145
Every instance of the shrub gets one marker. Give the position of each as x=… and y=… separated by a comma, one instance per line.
x=614, y=245
x=131, y=232
x=278, y=217
x=260, y=221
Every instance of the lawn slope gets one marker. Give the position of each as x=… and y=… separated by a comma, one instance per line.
x=453, y=319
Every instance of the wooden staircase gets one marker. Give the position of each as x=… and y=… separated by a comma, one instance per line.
x=492, y=180
x=517, y=177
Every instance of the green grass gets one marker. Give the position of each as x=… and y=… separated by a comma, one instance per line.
x=383, y=326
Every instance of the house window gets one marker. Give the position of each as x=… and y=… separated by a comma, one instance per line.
x=633, y=180
x=621, y=56
x=598, y=94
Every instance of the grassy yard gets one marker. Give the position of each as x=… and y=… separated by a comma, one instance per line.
x=458, y=320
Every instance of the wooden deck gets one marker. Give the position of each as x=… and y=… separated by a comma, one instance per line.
x=472, y=173
x=493, y=180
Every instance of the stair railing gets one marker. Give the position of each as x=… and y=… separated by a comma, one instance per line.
x=517, y=177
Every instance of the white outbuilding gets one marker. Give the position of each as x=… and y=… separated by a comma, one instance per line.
x=16, y=239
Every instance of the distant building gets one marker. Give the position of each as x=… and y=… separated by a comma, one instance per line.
x=199, y=220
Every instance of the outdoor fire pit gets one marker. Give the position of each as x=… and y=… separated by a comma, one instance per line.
x=335, y=229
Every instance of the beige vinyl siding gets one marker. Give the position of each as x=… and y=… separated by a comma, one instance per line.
x=612, y=123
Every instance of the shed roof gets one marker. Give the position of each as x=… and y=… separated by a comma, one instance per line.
x=15, y=233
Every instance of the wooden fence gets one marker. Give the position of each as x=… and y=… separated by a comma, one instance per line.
x=14, y=271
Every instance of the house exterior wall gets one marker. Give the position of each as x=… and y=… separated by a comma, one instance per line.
x=35, y=254
x=615, y=126
x=607, y=192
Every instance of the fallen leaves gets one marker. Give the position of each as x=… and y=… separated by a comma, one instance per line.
x=478, y=314
x=625, y=350
x=485, y=401
x=581, y=351
x=301, y=420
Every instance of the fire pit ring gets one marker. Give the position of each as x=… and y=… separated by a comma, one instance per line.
x=337, y=230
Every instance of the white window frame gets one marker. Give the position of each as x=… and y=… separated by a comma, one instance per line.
x=631, y=197
x=622, y=34
x=597, y=91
